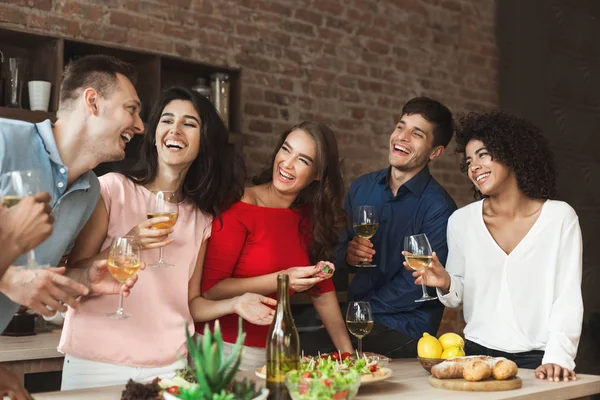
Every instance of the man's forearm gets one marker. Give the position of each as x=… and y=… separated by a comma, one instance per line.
x=9, y=253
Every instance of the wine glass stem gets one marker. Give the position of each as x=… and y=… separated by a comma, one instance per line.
x=31, y=262
x=160, y=256
x=360, y=346
x=425, y=294
x=120, y=308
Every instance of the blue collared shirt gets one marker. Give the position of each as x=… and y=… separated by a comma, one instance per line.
x=27, y=146
x=421, y=205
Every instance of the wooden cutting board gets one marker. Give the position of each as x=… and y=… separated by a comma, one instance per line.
x=489, y=385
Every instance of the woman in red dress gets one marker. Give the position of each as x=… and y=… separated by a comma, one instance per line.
x=288, y=221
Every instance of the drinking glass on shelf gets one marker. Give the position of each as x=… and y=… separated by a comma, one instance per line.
x=365, y=224
x=359, y=320
x=14, y=186
x=419, y=258
x=163, y=203
x=123, y=263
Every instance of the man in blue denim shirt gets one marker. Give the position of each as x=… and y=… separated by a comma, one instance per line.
x=98, y=114
x=408, y=201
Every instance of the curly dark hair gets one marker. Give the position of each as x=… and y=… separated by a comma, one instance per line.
x=322, y=199
x=216, y=177
x=515, y=143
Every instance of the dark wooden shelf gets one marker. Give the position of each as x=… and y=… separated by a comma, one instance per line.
x=26, y=115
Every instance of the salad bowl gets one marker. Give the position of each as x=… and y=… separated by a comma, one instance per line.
x=331, y=385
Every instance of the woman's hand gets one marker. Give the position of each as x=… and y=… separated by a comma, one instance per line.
x=554, y=372
x=435, y=276
x=304, y=278
x=152, y=238
x=254, y=308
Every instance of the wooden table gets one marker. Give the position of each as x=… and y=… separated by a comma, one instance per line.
x=31, y=354
x=409, y=381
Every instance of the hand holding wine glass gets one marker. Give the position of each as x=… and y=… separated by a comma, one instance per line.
x=359, y=320
x=14, y=186
x=149, y=237
x=123, y=263
x=27, y=224
x=163, y=203
x=366, y=223
x=418, y=255
x=435, y=276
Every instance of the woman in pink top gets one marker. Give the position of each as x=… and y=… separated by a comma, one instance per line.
x=185, y=151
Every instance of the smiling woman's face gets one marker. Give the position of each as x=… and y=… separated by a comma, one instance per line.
x=295, y=163
x=487, y=175
x=178, y=134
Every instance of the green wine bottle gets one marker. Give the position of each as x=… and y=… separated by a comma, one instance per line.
x=283, y=343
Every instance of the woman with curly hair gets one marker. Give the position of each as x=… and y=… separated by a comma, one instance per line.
x=287, y=222
x=515, y=256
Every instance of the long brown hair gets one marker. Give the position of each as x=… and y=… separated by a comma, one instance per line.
x=322, y=199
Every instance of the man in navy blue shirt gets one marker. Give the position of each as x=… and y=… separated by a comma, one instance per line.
x=408, y=201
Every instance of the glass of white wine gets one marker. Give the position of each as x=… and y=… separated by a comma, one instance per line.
x=123, y=263
x=359, y=320
x=14, y=186
x=365, y=224
x=418, y=258
x=163, y=203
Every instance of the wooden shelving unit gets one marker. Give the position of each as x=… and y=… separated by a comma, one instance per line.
x=47, y=56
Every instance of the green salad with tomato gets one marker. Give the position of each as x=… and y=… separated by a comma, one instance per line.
x=324, y=379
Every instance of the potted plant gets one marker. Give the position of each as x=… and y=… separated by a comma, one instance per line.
x=214, y=373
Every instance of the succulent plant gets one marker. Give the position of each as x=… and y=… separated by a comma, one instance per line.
x=212, y=370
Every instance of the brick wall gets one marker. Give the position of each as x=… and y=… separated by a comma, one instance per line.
x=351, y=63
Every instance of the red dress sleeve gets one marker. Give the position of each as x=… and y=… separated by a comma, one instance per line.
x=224, y=247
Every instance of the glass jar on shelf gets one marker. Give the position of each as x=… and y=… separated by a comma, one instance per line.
x=203, y=88
x=219, y=83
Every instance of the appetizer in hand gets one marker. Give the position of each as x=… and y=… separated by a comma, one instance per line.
x=326, y=269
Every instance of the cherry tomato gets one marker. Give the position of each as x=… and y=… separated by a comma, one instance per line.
x=373, y=367
x=327, y=382
x=340, y=395
x=346, y=355
x=335, y=356
x=173, y=390
x=306, y=374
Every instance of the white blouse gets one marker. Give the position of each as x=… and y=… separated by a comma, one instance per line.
x=527, y=300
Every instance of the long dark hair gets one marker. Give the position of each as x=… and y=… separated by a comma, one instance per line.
x=323, y=198
x=216, y=177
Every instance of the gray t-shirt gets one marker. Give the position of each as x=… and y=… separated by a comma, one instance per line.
x=27, y=146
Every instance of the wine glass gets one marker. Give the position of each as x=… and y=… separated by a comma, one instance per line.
x=123, y=263
x=14, y=186
x=418, y=258
x=359, y=320
x=163, y=203
x=365, y=223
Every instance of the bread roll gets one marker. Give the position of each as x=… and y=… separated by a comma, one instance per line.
x=453, y=368
x=504, y=369
x=477, y=371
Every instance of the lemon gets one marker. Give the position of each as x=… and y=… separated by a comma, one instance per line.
x=452, y=352
x=448, y=340
x=429, y=347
